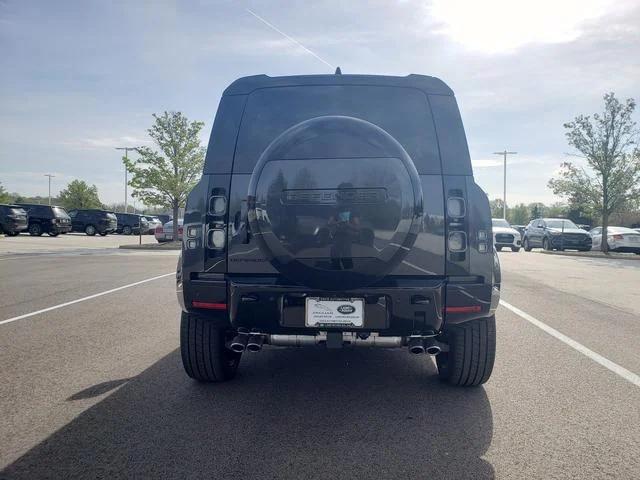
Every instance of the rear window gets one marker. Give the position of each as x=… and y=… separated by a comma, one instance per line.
x=403, y=112
x=59, y=212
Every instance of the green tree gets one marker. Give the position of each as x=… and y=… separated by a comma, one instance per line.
x=79, y=194
x=497, y=208
x=519, y=215
x=537, y=210
x=165, y=176
x=558, y=210
x=4, y=195
x=611, y=177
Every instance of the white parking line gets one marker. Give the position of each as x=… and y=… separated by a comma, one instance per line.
x=95, y=295
x=596, y=357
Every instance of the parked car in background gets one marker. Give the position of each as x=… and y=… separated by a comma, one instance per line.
x=48, y=219
x=520, y=229
x=92, y=221
x=154, y=222
x=164, y=233
x=620, y=239
x=129, y=223
x=584, y=226
x=13, y=220
x=555, y=234
x=504, y=235
x=164, y=218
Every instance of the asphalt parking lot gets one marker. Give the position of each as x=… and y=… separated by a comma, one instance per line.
x=94, y=387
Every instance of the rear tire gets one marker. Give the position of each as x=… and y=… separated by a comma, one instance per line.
x=471, y=355
x=126, y=230
x=103, y=234
x=90, y=230
x=515, y=249
x=526, y=245
x=546, y=245
x=205, y=356
x=12, y=234
x=35, y=230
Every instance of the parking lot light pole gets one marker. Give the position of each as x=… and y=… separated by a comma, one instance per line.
x=126, y=156
x=50, y=177
x=504, y=153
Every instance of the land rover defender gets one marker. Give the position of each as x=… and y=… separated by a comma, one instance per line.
x=338, y=211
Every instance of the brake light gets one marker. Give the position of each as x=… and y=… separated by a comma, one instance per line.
x=209, y=305
x=618, y=237
x=467, y=309
x=159, y=229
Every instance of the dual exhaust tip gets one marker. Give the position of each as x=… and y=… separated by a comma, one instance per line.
x=252, y=342
x=247, y=341
x=419, y=345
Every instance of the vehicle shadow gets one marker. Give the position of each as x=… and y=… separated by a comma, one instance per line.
x=290, y=413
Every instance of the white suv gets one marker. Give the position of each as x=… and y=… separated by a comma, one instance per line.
x=504, y=235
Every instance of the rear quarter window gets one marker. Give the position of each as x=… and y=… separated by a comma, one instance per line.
x=403, y=112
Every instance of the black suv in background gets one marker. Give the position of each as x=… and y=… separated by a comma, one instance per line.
x=52, y=220
x=338, y=210
x=129, y=223
x=92, y=221
x=13, y=220
x=555, y=234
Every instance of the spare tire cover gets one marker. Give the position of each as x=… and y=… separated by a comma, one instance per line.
x=335, y=203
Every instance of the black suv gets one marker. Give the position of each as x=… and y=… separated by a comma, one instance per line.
x=555, y=234
x=338, y=210
x=48, y=219
x=129, y=223
x=13, y=220
x=92, y=221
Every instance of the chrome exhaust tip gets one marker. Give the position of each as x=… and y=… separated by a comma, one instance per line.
x=416, y=346
x=433, y=350
x=255, y=342
x=239, y=342
x=432, y=346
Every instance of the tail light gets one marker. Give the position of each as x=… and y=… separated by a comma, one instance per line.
x=457, y=241
x=216, y=233
x=457, y=237
x=618, y=237
x=159, y=229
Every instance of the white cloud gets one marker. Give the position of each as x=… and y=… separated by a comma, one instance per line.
x=494, y=26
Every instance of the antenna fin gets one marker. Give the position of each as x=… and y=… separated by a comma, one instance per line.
x=338, y=71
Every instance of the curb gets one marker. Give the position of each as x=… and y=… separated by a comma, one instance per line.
x=154, y=246
x=610, y=256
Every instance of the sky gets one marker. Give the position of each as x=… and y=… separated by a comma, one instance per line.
x=80, y=78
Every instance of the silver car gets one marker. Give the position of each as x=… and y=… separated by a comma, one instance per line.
x=164, y=233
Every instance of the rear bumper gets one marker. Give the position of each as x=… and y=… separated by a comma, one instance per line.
x=395, y=306
x=625, y=249
x=15, y=227
x=557, y=241
x=61, y=228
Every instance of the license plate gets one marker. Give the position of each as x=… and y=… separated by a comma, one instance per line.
x=334, y=312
